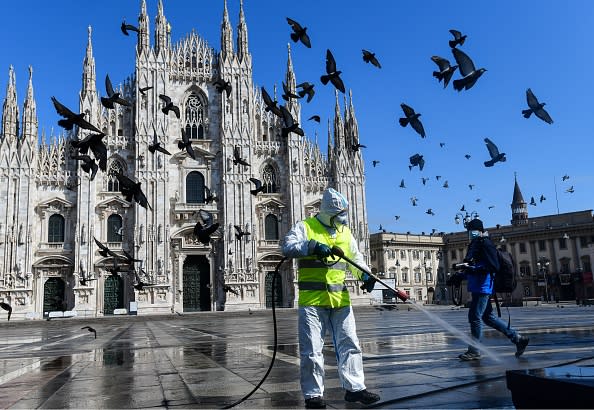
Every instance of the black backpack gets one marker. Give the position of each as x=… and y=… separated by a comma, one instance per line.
x=506, y=277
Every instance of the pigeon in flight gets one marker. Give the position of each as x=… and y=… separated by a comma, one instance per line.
x=478, y=200
x=270, y=105
x=156, y=145
x=186, y=144
x=412, y=118
x=356, y=146
x=402, y=184
x=441, y=144
x=458, y=38
x=237, y=157
x=536, y=108
x=131, y=190
x=228, y=288
x=446, y=71
x=71, y=119
x=84, y=280
x=143, y=90
x=467, y=156
x=239, y=233
x=471, y=186
x=129, y=259
x=112, y=97
x=469, y=73
x=90, y=329
x=424, y=180
x=565, y=177
x=491, y=206
x=446, y=185
x=437, y=177
x=259, y=187
x=209, y=196
x=290, y=124
x=6, y=307
x=140, y=285
x=203, y=232
x=287, y=94
x=71, y=185
x=542, y=198
x=416, y=160
x=375, y=162
x=463, y=208
x=430, y=212
x=494, y=153
x=397, y=217
x=414, y=200
x=169, y=106
x=128, y=27
x=381, y=228
x=332, y=74
x=570, y=190
x=222, y=85
x=316, y=118
x=299, y=33
x=369, y=57
x=88, y=164
x=97, y=146
x=104, y=250
x=306, y=89
x=532, y=201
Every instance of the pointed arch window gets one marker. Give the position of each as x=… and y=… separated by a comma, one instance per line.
x=55, y=228
x=269, y=179
x=271, y=228
x=194, y=117
x=195, y=188
x=113, y=184
x=114, y=226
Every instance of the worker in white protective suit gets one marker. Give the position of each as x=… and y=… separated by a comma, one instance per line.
x=324, y=302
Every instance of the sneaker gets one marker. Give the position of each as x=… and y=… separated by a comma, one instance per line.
x=315, y=403
x=521, y=345
x=470, y=355
x=362, y=396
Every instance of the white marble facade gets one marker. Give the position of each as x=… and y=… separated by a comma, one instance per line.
x=51, y=210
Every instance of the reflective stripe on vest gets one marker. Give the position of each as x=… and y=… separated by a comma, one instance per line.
x=319, y=284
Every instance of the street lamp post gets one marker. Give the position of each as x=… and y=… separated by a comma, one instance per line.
x=543, y=266
x=466, y=218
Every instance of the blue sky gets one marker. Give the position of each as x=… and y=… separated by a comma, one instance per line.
x=545, y=45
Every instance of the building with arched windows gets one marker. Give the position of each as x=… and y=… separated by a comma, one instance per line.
x=53, y=213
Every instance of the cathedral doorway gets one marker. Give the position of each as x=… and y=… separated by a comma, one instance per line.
x=196, y=283
x=278, y=290
x=113, y=294
x=53, y=296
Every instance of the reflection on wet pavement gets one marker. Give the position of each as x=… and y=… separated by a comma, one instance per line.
x=211, y=359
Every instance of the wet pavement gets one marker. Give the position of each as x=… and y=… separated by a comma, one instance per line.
x=212, y=359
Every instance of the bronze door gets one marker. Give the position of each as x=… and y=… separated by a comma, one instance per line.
x=53, y=295
x=196, y=284
x=113, y=294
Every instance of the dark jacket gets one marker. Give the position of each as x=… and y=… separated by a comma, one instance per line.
x=482, y=254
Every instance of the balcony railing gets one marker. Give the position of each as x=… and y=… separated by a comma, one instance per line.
x=55, y=246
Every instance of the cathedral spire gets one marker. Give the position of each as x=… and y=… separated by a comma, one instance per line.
x=10, y=110
x=242, y=36
x=143, y=29
x=89, y=80
x=338, y=125
x=226, y=35
x=290, y=80
x=353, y=125
x=162, y=30
x=30, y=122
x=518, y=206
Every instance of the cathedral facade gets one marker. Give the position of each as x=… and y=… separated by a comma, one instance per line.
x=51, y=211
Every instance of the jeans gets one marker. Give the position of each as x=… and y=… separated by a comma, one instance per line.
x=481, y=312
x=314, y=321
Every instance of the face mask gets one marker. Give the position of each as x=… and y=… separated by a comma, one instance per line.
x=339, y=220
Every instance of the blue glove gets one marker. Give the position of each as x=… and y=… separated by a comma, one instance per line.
x=368, y=283
x=322, y=250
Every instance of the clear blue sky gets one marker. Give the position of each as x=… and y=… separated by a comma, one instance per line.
x=545, y=45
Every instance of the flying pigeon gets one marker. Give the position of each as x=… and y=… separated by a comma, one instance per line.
x=169, y=106
x=131, y=190
x=259, y=187
x=441, y=144
x=397, y=217
x=542, y=198
x=112, y=97
x=186, y=144
x=494, y=153
x=143, y=90
x=332, y=74
x=491, y=206
x=299, y=33
x=430, y=212
x=270, y=105
x=306, y=88
x=71, y=119
x=532, y=201
x=356, y=146
x=223, y=86
x=6, y=307
x=237, y=157
x=287, y=94
x=290, y=125
x=95, y=143
x=463, y=208
x=416, y=160
x=203, y=232
x=445, y=70
x=88, y=164
x=437, y=177
x=446, y=185
x=369, y=57
x=228, y=288
x=467, y=156
x=570, y=190
x=140, y=285
x=565, y=177
x=91, y=330
x=156, y=145
x=471, y=186
x=375, y=162
x=536, y=108
x=316, y=118
x=402, y=184
x=240, y=233
x=469, y=73
x=458, y=38
x=127, y=27
x=104, y=250
x=414, y=200
x=412, y=118
x=424, y=180
x=209, y=196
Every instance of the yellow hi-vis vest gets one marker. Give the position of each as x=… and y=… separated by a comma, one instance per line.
x=321, y=285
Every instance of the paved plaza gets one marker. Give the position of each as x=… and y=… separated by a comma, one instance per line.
x=212, y=359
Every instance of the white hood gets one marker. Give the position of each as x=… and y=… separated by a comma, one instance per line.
x=333, y=203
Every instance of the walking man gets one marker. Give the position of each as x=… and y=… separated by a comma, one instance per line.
x=324, y=302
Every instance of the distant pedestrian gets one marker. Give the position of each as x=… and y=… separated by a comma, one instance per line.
x=482, y=257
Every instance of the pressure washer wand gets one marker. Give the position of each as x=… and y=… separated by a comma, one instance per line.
x=403, y=296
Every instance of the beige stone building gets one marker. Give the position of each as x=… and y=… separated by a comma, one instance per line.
x=50, y=211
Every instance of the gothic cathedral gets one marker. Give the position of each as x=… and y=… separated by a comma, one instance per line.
x=51, y=212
